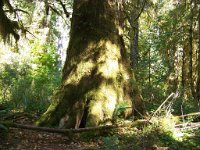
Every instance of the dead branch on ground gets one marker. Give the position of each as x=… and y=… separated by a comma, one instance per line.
x=70, y=131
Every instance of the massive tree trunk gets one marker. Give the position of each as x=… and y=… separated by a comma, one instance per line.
x=96, y=75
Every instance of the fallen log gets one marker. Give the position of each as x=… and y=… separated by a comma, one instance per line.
x=189, y=115
x=57, y=130
x=186, y=126
x=70, y=131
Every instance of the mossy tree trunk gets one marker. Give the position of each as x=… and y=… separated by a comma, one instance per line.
x=96, y=75
x=198, y=62
x=191, y=49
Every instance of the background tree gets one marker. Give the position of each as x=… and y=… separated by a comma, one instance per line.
x=198, y=63
x=167, y=52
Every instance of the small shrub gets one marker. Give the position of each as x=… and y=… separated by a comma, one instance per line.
x=111, y=143
x=3, y=133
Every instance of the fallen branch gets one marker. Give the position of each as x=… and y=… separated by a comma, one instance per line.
x=56, y=130
x=69, y=131
x=190, y=127
x=189, y=115
x=172, y=94
x=185, y=126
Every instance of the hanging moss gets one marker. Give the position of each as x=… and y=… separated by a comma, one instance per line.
x=7, y=26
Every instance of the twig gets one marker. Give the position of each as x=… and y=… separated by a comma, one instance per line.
x=14, y=10
x=140, y=11
x=64, y=8
x=172, y=94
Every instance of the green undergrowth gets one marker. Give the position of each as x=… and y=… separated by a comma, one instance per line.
x=3, y=133
x=159, y=133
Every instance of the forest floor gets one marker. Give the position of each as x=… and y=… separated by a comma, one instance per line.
x=22, y=139
x=19, y=139
x=150, y=137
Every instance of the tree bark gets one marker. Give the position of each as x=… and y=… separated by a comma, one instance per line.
x=7, y=26
x=134, y=37
x=198, y=64
x=191, y=49
x=96, y=74
x=183, y=68
x=136, y=123
x=134, y=45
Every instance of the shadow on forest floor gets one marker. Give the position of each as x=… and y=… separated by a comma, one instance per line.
x=150, y=137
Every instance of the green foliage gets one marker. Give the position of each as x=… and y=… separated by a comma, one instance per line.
x=162, y=68
x=148, y=137
x=160, y=133
x=120, y=109
x=28, y=85
x=2, y=127
x=3, y=133
x=111, y=143
x=185, y=106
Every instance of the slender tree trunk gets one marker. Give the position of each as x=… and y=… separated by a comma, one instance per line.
x=134, y=37
x=96, y=74
x=191, y=49
x=149, y=67
x=175, y=73
x=198, y=65
x=134, y=33
x=183, y=67
x=134, y=45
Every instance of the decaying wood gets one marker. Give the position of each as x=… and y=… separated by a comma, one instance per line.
x=188, y=124
x=184, y=126
x=189, y=115
x=57, y=130
x=70, y=131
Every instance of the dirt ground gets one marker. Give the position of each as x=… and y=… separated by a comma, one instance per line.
x=18, y=139
x=22, y=139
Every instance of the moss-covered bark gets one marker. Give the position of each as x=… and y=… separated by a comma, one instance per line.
x=198, y=64
x=7, y=26
x=96, y=75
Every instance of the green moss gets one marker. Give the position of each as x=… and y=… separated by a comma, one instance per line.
x=91, y=86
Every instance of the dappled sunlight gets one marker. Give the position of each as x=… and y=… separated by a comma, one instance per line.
x=108, y=62
x=109, y=68
x=121, y=61
x=96, y=112
x=83, y=69
x=110, y=100
x=108, y=55
x=112, y=49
